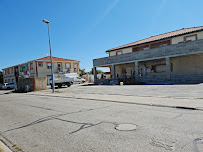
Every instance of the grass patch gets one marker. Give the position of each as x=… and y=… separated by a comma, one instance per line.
x=16, y=147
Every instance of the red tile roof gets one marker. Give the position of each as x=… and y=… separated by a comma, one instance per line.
x=160, y=37
x=53, y=59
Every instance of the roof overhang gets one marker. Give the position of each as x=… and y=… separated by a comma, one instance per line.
x=110, y=50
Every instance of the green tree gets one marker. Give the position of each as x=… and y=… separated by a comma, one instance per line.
x=82, y=72
x=1, y=77
x=98, y=71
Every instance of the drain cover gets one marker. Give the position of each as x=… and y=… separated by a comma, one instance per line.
x=125, y=127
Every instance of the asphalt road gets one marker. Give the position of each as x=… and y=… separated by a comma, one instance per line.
x=56, y=124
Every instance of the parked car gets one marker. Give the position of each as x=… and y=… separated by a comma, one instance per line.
x=76, y=78
x=8, y=86
x=79, y=79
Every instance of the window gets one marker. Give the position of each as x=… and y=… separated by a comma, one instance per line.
x=67, y=65
x=75, y=67
x=8, y=80
x=48, y=65
x=8, y=71
x=31, y=66
x=5, y=80
x=119, y=52
x=59, y=67
x=190, y=38
x=12, y=80
x=40, y=64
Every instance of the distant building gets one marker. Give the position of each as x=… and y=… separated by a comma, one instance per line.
x=40, y=67
x=175, y=57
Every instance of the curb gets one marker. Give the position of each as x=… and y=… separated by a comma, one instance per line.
x=114, y=101
x=4, y=148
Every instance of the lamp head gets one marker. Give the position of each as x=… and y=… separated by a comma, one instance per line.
x=45, y=21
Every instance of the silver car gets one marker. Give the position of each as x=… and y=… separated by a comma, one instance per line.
x=8, y=85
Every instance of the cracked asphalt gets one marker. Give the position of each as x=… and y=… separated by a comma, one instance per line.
x=53, y=124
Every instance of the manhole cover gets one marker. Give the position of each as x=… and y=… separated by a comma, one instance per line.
x=125, y=127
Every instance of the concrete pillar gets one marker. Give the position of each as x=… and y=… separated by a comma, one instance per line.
x=113, y=71
x=95, y=74
x=4, y=76
x=137, y=76
x=168, y=68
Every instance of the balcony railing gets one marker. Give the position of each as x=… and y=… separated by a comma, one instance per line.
x=186, y=48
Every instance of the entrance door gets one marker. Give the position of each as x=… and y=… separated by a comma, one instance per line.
x=48, y=80
x=59, y=67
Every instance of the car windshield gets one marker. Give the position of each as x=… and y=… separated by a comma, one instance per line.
x=78, y=77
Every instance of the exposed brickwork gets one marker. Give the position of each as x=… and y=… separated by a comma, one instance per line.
x=180, y=49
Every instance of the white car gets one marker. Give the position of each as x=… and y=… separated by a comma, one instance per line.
x=79, y=79
x=8, y=85
x=75, y=77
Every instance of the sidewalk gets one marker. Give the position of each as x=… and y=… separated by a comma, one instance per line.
x=184, y=103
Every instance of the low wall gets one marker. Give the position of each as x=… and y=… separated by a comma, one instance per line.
x=187, y=78
x=103, y=81
x=25, y=84
x=40, y=83
x=31, y=84
x=160, y=79
x=175, y=79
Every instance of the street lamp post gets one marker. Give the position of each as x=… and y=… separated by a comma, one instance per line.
x=52, y=74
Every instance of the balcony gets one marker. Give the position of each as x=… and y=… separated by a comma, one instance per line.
x=181, y=49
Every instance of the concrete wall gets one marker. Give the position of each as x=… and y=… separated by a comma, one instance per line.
x=40, y=83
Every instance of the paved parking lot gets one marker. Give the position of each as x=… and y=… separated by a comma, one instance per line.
x=182, y=91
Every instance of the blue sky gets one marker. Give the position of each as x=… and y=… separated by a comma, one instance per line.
x=84, y=29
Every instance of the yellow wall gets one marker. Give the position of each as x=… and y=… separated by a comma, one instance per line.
x=44, y=71
x=192, y=64
x=178, y=39
x=126, y=50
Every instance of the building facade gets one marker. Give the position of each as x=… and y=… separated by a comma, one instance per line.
x=40, y=67
x=174, y=57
